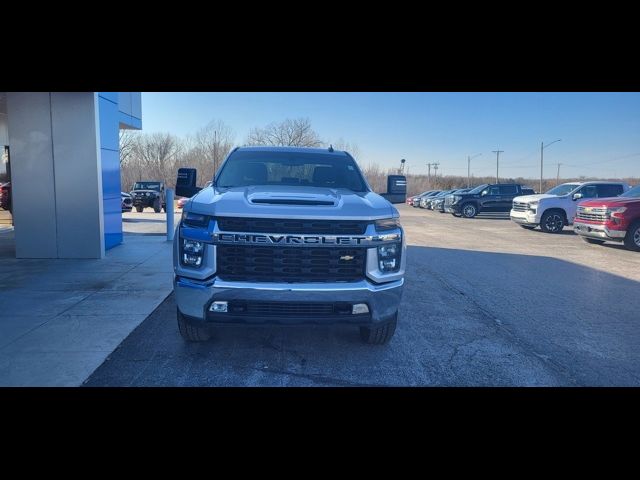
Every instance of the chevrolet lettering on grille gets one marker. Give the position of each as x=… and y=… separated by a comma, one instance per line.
x=291, y=240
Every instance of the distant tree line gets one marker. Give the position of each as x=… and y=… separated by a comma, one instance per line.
x=157, y=156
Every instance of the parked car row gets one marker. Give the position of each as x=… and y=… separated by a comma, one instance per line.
x=598, y=211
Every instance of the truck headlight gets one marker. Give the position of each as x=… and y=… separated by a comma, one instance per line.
x=456, y=198
x=389, y=257
x=192, y=251
x=533, y=206
x=387, y=224
x=197, y=220
x=615, y=212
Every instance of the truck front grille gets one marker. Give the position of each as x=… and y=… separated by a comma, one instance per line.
x=520, y=206
x=285, y=225
x=278, y=309
x=591, y=213
x=290, y=264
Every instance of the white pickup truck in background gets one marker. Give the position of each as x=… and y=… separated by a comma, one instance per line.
x=557, y=207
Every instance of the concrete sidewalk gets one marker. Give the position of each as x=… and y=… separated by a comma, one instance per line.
x=60, y=319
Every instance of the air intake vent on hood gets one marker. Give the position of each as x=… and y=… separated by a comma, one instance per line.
x=290, y=201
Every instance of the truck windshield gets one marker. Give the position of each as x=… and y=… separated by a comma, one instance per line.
x=147, y=186
x=246, y=168
x=479, y=188
x=633, y=193
x=564, y=189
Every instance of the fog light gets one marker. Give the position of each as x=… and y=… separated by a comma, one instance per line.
x=390, y=250
x=359, y=308
x=218, y=307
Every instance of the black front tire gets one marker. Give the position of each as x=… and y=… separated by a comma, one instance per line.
x=632, y=239
x=380, y=334
x=469, y=210
x=139, y=209
x=552, y=222
x=192, y=333
x=156, y=206
x=594, y=241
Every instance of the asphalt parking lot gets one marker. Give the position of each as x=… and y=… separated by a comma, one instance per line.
x=486, y=303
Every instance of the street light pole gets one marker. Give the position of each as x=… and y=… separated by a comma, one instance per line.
x=542, y=147
x=497, y=152
x=469, y=168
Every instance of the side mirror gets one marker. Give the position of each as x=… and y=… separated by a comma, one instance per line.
x=186, y=182
x=484, y=192
x=577, y=196
x=396, y=189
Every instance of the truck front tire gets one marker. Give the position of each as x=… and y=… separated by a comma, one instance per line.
x=192, y=333
x=379, y=335
x=469, y=210
x=139, y=209
x=156, y=205
x=632, y=239
x=552, y=221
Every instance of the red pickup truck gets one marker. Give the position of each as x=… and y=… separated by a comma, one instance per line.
x=616, y=219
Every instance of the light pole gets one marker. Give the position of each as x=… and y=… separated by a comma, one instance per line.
x=469, y=168
x=542, y=147
x=497, y=152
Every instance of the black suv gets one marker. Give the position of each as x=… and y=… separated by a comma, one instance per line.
x=148, y=194
x=497, y=197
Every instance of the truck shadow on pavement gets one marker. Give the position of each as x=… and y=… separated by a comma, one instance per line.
x=467, y=318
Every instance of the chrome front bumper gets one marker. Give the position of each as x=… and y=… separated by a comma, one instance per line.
x=598, y=231
x=524, y=218
x=194, y=297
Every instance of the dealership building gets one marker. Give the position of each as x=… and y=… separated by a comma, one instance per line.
x=60, y=151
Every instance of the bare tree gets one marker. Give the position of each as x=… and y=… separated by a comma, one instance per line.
x=127, y=140
x=152, y=157
x=288, y=133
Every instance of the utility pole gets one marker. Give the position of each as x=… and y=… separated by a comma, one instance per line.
x=429, y=174
x=469, y=157
x=497, y=152
x=558, y=175
x=435, y=172
x=542, y=147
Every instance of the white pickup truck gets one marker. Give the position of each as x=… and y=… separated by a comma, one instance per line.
x=557, y=207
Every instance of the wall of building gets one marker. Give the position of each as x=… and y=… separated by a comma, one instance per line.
x=56, y=174
x=130, y=109
x=110, y=159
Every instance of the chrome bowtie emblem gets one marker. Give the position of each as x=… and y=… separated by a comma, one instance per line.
x=346, y=258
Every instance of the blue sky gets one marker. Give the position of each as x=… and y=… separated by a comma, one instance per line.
x=600, y=132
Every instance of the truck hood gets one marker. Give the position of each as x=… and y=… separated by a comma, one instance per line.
x=531, y=198
x=609, y=202
x=291, y=202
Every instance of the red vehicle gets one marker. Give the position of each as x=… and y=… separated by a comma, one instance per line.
x=5, y=196
x=182, y=201
x=615, y=219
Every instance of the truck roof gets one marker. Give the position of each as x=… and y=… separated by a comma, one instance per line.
x=324, y=151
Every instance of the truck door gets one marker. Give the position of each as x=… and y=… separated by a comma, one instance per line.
x=507, y=194
x=490, y=198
